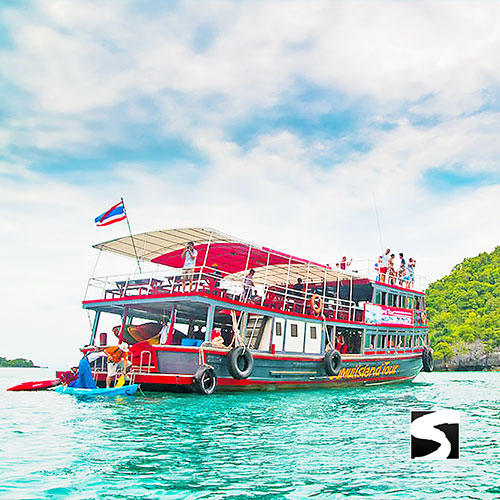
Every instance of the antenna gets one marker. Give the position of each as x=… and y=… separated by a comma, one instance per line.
x=378, y=223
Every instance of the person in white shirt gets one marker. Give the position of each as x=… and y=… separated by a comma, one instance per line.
x=384, y=264
x=189, y=255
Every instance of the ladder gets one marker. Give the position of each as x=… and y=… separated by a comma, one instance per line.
x=254, y=330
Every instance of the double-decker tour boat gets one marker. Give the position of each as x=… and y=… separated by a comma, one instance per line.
x=243, y=316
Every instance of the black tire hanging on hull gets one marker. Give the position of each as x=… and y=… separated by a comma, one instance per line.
x=205, y=380
x=333, y=363
x=427, y=360
x=240, y=362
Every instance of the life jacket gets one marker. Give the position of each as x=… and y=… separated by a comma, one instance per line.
x=115, y=354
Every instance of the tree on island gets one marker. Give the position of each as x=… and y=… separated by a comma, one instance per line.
x=16, y=363
x=464, y=307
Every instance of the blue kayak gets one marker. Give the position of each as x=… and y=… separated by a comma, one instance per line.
x=126, y=390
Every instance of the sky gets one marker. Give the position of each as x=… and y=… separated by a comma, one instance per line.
x=292, y=124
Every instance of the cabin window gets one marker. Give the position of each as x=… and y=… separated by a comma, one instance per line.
x=383, y=299
x=378, y=297
x=403, y=302
x=348, y=340
x=390, y=300
x=277, y=329
x=407, y=341
x=417, y=302
x=381, y=341
x=312, y=331
x=294, y=331
x=392, y=342
x=369, y=341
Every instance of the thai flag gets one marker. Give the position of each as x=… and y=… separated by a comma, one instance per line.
x=114, y=214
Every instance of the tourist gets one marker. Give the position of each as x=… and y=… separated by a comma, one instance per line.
x=390, y=270
x=189, y=255
x=216, y=275
x=344, y=263
x=85, y=379
x=248, y=285
x=298, y=288
x=69, y=376
x=411, y=272
x=117, y=360
x=384, y=264
x=402, y=268
x=255, y=298
x=217, y=339
x=341, y=345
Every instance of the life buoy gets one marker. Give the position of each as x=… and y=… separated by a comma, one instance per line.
x=316, y=304
x=205, y=380
x=333, y=362
x=240, y=362
x=423, y=317
x=427, y=360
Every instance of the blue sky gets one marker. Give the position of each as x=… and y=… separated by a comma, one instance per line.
x=279, y=122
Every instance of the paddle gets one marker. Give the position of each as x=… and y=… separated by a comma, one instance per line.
x=121, y=381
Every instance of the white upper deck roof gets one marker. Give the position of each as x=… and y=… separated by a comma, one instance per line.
x=233, y=256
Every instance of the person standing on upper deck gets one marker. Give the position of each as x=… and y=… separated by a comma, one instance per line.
x=411, y=273
x=248, y=285
x=344, y=263
x=402, y=268
x=391, y=270
x=384, y=265
x=189, y=255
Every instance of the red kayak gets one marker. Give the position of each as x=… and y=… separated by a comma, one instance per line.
x=35, y=386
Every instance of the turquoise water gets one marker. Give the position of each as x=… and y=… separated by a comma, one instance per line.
x=343, y=443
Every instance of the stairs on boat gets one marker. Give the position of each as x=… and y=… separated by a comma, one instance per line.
x=254, y=330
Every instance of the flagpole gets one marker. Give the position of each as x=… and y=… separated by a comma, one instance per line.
x=131, y=237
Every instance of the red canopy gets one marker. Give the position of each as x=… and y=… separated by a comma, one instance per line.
x=231, y=257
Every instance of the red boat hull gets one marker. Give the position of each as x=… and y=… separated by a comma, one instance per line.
x=35, y=386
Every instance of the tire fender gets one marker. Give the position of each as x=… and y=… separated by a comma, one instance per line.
x=240, y=362
x=427, y=360
x=333, y=362
x=205, y=380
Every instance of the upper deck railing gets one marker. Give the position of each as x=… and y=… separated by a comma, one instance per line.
x=208, y=280
x=370, y=269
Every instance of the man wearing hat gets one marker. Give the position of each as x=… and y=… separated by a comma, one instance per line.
x=117, y=360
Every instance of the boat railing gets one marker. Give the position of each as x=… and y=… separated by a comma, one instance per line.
x=371, y=270
x=211, y=281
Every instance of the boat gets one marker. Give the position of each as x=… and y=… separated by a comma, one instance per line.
x=125, y=390
x=39, y=385
x=290, y=323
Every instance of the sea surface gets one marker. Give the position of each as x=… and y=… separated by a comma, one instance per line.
x=321, y=444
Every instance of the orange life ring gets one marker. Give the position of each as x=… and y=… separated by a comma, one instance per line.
x=316, y=304
x=423, y=317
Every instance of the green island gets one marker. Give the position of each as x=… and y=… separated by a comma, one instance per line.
x=464, y=315
x=16, y=363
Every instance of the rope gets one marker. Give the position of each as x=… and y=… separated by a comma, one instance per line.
x=324, y=328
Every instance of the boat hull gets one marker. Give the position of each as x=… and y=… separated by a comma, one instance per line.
x=35, y=386
x=173, y=369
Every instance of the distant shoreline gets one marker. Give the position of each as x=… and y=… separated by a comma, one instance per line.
x=17, y=363
x=34, y=366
